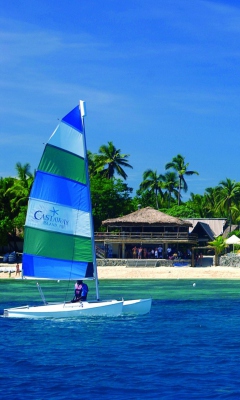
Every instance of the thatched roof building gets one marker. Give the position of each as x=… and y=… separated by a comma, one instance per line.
x=145, y=227
x=146, y=217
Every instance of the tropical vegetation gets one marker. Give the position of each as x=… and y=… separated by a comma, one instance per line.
x=219, y=246
x=110, y=161
x=178, y=165
x=154, y=182
x=112, y=197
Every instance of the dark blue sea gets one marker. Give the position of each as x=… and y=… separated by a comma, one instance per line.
x=188, y=347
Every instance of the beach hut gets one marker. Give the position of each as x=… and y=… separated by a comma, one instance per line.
x=144, y=227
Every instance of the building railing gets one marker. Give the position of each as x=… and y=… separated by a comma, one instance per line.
x=144, y=236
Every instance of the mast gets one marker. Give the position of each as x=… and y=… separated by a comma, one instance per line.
x=82, y=107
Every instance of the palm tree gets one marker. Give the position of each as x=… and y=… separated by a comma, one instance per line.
x=198, y=204
x=170, y=183
x=236, y=213
x=112, y=158
x=22, y=185
x=210, y=196
x=180, y=167
x=219, y=246
x=228, y=196
x=92, y=165
x=153, y=181
x=23, y=171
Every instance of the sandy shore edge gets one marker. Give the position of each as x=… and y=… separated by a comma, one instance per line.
x=169, y=273
x=123, y=272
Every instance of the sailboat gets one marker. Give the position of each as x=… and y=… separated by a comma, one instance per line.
x=58, y=234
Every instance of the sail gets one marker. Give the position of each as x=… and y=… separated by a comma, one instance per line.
x=58, y=233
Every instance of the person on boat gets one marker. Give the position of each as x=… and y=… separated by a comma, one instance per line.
x=84, y=292
x=81, y=291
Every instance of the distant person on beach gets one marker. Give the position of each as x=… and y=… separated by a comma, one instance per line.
x=140, y=252
x=160, y=251
x=169, y=252
x=196, y=258
x=134, y=252
x=189, y=253
x=17, y=269
x=145, y=253
x=201, y=258
x=81, y=291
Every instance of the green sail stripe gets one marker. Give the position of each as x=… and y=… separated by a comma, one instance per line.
x=57, y=245
x=56, y=161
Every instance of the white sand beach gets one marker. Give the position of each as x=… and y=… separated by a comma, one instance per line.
x=123, y=272
x=169, y=273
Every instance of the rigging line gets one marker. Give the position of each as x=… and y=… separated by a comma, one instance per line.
x=41, y=294
x=66, y=294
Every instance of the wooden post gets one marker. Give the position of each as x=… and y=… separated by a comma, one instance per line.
x=192, y=262
x=123, y=250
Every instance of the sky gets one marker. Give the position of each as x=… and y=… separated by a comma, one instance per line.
x=159, y=78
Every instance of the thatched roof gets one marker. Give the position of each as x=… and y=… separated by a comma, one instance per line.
x=146, y=216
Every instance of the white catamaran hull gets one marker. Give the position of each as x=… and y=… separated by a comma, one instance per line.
x=111, y=308
x=137, y=307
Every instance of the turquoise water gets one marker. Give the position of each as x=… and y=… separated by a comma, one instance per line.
x=187, y=348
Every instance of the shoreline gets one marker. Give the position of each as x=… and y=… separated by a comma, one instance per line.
x=128, y=273
x=169, y=273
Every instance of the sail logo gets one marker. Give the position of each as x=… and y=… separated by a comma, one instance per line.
x=51, y=218
x=57, y=218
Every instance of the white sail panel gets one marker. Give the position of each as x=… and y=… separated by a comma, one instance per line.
x=67, y=138
x=57, y=218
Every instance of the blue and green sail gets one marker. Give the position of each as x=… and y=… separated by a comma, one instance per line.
x=58, y=234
